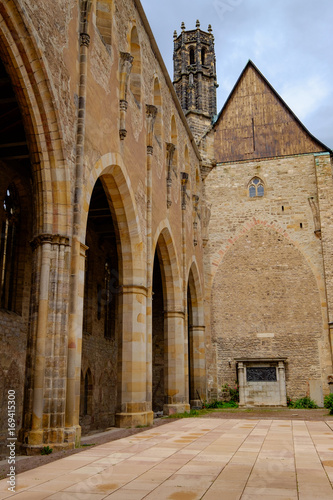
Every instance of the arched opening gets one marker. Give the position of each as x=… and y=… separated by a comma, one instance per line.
x=135, y=79
x=203, y=56
x=16, y=211
x=101, y=304
x=86, y=401
x=168, y=351
x=195, y=339
x=158, y=104
x=192, y=56
x=104, y=20
x=258, y=314
x=158, y=340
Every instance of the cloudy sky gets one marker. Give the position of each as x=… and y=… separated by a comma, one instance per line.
x=290, y=41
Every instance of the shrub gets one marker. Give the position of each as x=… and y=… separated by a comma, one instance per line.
x=46, y=450
x=233, y=391
x=328, y=403
x=303, y=403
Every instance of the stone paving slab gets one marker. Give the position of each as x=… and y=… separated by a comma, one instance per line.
x=192, y=459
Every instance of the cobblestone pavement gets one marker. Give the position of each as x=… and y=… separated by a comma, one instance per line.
x=190, y=459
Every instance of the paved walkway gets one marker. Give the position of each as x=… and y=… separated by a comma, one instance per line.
x=192, y=459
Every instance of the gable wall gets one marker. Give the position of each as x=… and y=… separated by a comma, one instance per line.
x=256, y=124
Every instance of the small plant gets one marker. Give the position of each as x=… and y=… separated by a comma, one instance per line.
x=328, y=403
x=46, y=450
x=221, y=404
x=192, y=413
x=233, y=391
x=303, y=403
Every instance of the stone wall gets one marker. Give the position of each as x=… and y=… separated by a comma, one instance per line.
x=266, y=278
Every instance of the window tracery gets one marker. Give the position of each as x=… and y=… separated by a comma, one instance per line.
x=256, y=188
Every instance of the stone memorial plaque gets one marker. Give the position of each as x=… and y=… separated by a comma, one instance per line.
x=261, y=374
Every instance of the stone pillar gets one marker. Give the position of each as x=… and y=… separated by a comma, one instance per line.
x=198, y=377
x=135, y=410
x=174, y=357
x=282, y=383
x=47, y=345
x=73, y=429
x=151, y=112
x=241, y=381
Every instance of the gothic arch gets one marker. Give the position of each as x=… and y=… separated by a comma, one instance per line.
x=117, y=186
x=168, y=342
x=157, y=101
x=24, y=64
x=264, y=288
x=163, y=242
x=194, y=284
x=195, y=337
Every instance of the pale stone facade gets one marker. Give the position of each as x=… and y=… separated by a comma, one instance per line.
x=136, y=271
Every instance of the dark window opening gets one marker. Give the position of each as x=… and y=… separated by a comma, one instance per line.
x=203, y=56
x=9, y=234
x=192, y=57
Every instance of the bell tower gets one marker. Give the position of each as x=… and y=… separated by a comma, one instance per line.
x=194, y=76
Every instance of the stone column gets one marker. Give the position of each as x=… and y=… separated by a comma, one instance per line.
x=282, y=383
x=47, y=345
x=174, y=359
x=73, y=429
x=135, y=410
x=241, y=381
x=197, y=333
x=151, y=112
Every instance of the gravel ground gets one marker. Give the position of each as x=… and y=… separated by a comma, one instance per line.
x=26, y=463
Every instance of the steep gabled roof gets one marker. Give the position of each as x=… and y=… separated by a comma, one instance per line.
x=255, y=122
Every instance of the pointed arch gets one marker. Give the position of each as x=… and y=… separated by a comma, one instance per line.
x=24, y=65
x=163, y=243
x=195, y=337
x=169, y=375
x=158, y=128
x=117, y=186
x=265, y=296
x=195, y=287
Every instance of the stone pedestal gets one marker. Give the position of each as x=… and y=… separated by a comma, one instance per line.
x=262, y=382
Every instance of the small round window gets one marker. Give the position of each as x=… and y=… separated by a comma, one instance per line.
x=256, y=188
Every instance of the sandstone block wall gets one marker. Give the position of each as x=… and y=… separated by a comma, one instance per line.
x=265, y=274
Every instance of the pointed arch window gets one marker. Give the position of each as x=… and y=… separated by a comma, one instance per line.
x=256, y=188
x=203, y=56
x=192, y=56
x=9, y=235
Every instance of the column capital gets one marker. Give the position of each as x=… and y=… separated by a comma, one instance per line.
x=53, y=239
